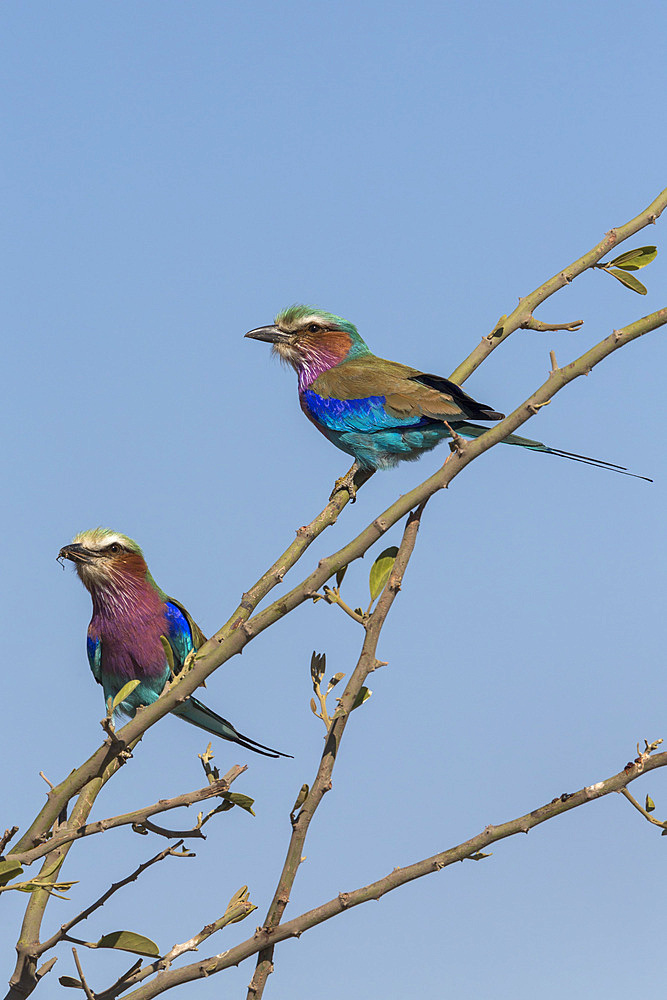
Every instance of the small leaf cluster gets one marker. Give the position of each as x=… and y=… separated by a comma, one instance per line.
x=318, y=662
x=631, y=260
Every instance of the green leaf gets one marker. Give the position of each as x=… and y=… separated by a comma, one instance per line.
x=52, y=869
x=628, y=280
x=243, y=801
x=650, y=804
x=380, y=570
x=70, y=981
x=301, y=798
x=340, y=575
x=364, y=695
x=479, y=855
x=129, y=941
x=632, y=260
x=126, y=690
x=8, y=870
x=169, y=653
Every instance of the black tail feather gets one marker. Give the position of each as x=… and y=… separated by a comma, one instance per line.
x=217, y=726
x=596, y=462
x=475, y=430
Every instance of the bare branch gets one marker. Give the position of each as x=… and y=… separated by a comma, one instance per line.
x=262, y=940
x=86, y=988
x=137, y=818
x=300, y=823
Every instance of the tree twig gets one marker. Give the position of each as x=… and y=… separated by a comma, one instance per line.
x=63, y=932
x=86, y=988
x=322, y=784
x=522, y=315
x=137, y=817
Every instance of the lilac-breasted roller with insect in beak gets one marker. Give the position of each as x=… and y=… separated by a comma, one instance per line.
x=138, y=633
x=380, y=412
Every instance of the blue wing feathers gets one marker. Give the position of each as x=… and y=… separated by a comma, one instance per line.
x=362, y=415
x=94, y=651
x=179, y=634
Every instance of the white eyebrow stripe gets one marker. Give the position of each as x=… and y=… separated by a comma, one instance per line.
x=97, y=541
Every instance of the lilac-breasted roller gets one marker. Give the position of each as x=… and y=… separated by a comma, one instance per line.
x=380, y=412
x=137, y=632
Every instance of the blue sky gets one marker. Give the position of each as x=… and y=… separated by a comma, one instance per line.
x=173, y=175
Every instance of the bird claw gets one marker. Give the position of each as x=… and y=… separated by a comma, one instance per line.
x=346, y=482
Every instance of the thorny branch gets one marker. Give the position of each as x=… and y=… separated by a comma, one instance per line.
x=366, y=663
x=472, y=849
x=137, y=818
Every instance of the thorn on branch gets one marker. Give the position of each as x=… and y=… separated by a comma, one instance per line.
x=534, y=407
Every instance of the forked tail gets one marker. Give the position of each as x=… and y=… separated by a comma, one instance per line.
x=198, y=714
x=475, y=430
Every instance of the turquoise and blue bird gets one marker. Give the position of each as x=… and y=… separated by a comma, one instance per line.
x=380, y=412
x=138, y=633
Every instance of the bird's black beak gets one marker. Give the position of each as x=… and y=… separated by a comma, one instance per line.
x=271, y=334
x=75, y=552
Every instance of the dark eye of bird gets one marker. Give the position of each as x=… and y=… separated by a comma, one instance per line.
x=114, y=547
x=314, y=328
